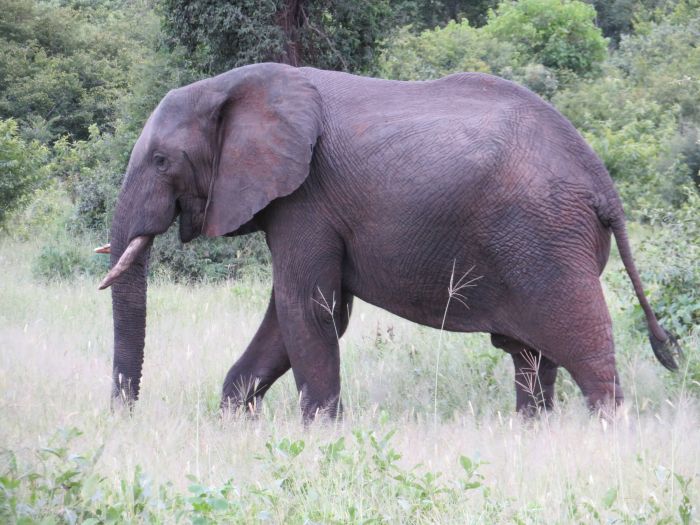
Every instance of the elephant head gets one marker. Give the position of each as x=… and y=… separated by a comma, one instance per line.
x=214, y=153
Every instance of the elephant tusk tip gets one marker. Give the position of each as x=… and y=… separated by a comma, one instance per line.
x=103, y=249
x=107, y=281
x=135, y=247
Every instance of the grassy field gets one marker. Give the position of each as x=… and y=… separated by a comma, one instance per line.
x=404, y=452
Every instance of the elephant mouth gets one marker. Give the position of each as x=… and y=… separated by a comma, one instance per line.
x=132, y=252
x=191, y=213
x=190, y=228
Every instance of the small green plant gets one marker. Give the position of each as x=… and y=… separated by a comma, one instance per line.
x=64, y=260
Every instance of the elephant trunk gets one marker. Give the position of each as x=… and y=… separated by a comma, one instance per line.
x=128, y=310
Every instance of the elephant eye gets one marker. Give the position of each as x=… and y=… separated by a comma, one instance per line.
x=160, y=162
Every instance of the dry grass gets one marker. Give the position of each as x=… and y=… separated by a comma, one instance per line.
x=55, y=361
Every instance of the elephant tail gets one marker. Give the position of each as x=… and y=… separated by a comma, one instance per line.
x=664, y=344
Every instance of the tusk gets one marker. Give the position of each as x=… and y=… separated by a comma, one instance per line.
x=103, y=249
x=132, y=251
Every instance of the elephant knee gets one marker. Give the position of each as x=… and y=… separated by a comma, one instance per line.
x=331, y=314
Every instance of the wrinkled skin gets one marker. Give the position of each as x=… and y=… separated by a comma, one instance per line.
x=404, y=194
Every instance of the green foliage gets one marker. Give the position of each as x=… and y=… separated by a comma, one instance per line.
x=641, y=117
x=360, y=478
x=559, y=34
x=433, y=54
x=665, y=60
x=70, y=485
x=62, y=259
x=206, y=259
x=22, y=167
x=329, y=34
x=342, y=35
x=540, y=43
x=45, y=215
x=429, y=14
x=619, y=17
x=223, y=35
x=671, y=271
x=635, y=136
x=66, y=487
x=63, y=68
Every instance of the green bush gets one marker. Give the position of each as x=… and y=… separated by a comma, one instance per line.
x=45, y=215
x=540, y=43
x=559, y=34
x=641, y=117
x=635, y=136
x=65, y=65
x=435, y=53
x=206, y=259
x=671, y=264
x=65, y=260
x=22, y=167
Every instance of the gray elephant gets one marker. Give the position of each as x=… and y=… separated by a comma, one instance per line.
x=404, y=194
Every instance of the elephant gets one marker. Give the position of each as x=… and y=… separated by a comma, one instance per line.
x=469, y=190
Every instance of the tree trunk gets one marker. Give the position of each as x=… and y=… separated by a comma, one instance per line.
x=290, y=19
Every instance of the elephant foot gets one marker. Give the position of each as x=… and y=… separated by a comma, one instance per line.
x=313, y=411
x=243, y=398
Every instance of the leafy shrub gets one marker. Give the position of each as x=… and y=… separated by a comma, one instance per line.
x=671, y=268
x=61, y=486
x=22, y=167
x=206, y=259
x=329, y=34
x=662, y=60
x=642, y=116
x=540, y=43
x=559, y=34
x=634, y=135
x=435, y=53
x=62, y=258
x=45, y=214
x=66, y=66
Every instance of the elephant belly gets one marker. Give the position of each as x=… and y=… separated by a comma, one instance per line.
x=432, y=285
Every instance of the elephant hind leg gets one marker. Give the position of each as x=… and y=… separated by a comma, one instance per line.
x=572, y=325
x=262, y=363
x=599, y=381
x=535, y=376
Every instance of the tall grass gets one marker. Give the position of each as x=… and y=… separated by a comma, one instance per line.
x=415, y=446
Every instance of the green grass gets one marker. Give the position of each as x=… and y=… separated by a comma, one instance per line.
x=65, y=458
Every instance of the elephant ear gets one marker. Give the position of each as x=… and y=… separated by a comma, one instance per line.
x=268, y=119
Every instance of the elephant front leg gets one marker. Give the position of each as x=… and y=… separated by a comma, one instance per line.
x=312, y=307
x=262, y=363
x=312, y=331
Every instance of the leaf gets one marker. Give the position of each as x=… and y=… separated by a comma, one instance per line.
x=90, y=486
x=610, y=497
x=196, y=488
x=467, y=464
